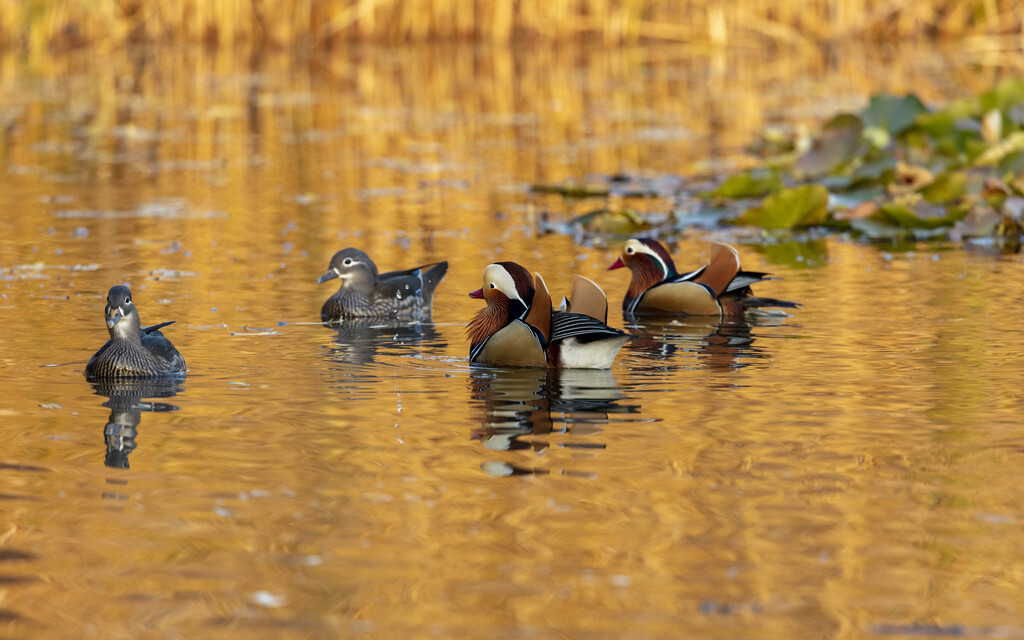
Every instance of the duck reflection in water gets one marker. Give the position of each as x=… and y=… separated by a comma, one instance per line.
x=722, y=346
x=358, y=341
x=525, y=409
x=126, y=400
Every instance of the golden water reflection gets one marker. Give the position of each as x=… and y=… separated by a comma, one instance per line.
x=846, y=471
x=127, y=399
x=536, y=409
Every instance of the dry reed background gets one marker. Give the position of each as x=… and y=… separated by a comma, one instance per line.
x=58, y=24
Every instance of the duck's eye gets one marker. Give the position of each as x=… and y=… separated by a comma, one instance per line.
x=347, y=262
x=492, y=286
x=127, y=300
x=629, y=250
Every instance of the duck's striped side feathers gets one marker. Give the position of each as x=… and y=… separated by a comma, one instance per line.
x=565, y=324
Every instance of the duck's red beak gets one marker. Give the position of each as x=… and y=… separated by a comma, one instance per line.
x=478, y=294
x=618, y=264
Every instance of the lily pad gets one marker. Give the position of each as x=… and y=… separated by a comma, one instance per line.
x=909, y=179
x=874, y=170
x=1008, y=93
x=892, y=114
x=840, y=142
x=1012, y=143
x=622, y=222
x=981, y=221
x=1012, y=163
x=946, y=187
x=748, y=184
x=804, y=206
x=917, y=215
x=858, y=212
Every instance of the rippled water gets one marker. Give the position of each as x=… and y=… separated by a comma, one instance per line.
x=849, y=470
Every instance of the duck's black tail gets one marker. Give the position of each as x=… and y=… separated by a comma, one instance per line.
x=758, y=302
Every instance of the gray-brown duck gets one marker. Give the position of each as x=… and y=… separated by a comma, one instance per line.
x=366, y=294
x=132, y=351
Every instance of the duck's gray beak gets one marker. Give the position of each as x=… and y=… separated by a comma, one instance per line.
x=113, y=315
x=330, y=275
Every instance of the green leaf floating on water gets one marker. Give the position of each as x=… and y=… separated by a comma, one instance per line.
x=946, y=187
x=748, y=184
x=993, y=154
x=841, y=141
x=892, y=114
x=804, y=206
x=920, y=216
x=622, y=222
x=1012, y=163
x=1008, y=93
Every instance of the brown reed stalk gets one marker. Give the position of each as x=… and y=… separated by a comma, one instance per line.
x=41, y=25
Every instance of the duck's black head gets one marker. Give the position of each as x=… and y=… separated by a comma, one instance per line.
x=122, y=318
x=355, y=269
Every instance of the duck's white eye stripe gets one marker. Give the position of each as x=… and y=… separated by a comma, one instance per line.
x=651, y=252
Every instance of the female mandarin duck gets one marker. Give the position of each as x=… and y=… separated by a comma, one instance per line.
x=718, y=288
x=366, y=294
x=518, y=327
x=132, y=352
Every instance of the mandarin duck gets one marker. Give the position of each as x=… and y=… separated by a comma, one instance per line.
x=366, y=294
x=519, y=328
x=132, y=351
x=719, y=288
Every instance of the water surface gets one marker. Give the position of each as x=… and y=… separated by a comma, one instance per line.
x=848, y=470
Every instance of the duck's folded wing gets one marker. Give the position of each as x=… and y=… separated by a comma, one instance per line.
x=538, y=317
x=588, y=298
x=398, y=286
x=156, y=327
x=723, y=267
x=686, y=277
x=745, y=279
x=428, y=274
x=155, y=343
x=420, y=281
x=565, y=325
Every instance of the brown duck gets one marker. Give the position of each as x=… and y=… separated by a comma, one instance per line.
x=519, y=328
x=719, y=288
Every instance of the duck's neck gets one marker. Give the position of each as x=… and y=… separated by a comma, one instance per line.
x=645, y=274
x=127, y=331
x=489, y=320
x=362, y=281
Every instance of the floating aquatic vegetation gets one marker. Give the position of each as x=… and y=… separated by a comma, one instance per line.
x=804, y=206
x=749, y=184
x=605, y=224
x=895, y=169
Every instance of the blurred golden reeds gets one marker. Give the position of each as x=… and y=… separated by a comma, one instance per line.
x=49, y=24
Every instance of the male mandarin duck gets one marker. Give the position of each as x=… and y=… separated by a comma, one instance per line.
x=366, y=294
x=719, y=288
x=132, y=351
x=519, y=328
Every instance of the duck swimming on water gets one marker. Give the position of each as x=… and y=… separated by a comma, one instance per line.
x=518, y=327
x=719, y=288
x=132, y=351
x=366, y=294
